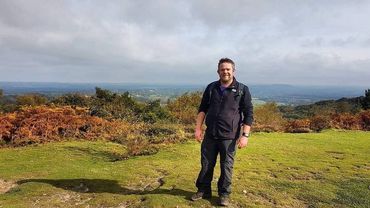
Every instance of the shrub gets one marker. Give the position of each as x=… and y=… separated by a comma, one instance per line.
x=108, y=105
x=298, y=126
x=160, y=133
x=346, y=121
x=268, y=118
x=365, y=120
x=43, y=124
x=140, y=146
x=6, y=127
x=149, y=138
x=153, y=112
x=318, y=123
x=185, y=107
x=144, y=138
x=74, y=99
x=31, y=100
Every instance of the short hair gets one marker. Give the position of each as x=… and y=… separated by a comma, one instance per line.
x=226, y=60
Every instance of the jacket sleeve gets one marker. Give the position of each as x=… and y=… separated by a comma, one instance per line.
x=247, y=107
x=204, y=105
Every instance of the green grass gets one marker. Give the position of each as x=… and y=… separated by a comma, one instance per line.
x=329, y=169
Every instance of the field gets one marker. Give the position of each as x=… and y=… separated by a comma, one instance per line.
x=328, y=169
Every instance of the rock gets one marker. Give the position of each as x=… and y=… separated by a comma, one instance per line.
x=5, y=186
x=152, y=186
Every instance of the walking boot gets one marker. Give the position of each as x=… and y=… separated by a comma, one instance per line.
x=224, y=201
x=201, y=195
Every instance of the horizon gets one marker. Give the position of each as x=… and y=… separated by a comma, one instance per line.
x=184, y=84
x=282, y=94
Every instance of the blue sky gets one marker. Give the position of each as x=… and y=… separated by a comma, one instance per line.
x=168, y=41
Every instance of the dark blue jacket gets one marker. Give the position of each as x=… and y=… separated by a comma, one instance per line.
x=226, y=111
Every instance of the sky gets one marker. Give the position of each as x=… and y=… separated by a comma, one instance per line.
x=293, y=42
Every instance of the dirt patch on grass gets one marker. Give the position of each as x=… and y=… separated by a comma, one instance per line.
x=69, y=198
x=361, y=166
x=311, y=175
x=5, y=186
x=336, y=154
x=260, y=198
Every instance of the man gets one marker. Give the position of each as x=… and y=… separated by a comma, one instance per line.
x=227, y=110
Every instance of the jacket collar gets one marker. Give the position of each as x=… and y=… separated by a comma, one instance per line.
x=233, y=85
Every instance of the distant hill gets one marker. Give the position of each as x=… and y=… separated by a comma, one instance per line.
x=324, y=107
x=282, y=94
x=301, y=95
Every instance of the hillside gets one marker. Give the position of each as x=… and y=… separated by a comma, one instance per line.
x=324, y=107
x=329, y=169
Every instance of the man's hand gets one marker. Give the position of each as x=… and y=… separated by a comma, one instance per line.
x=198, y=135
x=242, y=142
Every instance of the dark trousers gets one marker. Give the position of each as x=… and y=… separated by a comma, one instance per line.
x=209, y=150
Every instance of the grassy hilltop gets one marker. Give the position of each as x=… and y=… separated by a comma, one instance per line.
x=328, y=169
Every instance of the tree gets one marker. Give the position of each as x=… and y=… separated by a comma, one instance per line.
x=1, y=93
x=343, y=107
x=112, y=105
x=153, y=112
x=104, y=95
x=365, y=103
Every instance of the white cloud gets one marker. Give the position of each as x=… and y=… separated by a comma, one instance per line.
x=181, y=41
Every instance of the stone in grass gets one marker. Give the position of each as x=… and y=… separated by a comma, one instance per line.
x=152, y=186
x=5, y=186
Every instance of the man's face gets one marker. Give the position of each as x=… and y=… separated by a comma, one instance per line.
x=226, y=72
